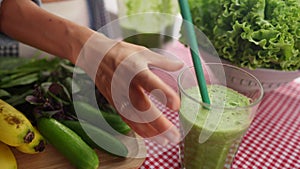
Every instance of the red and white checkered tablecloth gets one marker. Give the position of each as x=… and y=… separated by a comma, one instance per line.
x=272, y=141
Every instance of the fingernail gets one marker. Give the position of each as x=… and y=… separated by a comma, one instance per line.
x=174, y=107
x=173, y=135
x=160, y=140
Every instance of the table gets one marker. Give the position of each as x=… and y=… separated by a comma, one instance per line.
x=272, y=141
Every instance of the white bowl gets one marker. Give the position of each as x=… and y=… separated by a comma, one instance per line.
x=269, y=78
x=272, y=79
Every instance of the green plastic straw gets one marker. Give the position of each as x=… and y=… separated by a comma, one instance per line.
x=186, y=14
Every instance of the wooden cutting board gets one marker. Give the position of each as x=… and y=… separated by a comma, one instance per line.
x=52, y=159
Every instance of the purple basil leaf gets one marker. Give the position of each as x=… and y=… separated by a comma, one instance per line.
x=33, y=100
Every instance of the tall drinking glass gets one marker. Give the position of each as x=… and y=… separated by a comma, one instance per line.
x=147, y=23
x=212, y=133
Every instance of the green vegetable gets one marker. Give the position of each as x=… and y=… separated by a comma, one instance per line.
x=143, y=23
x=19, y=80
x=18, y=76
x=68, y=143
x=44, y=87
x=100, y=139
x=252, y=33
x=4, y=93
x=9, y=63
x=162, y=6
x=99, y=118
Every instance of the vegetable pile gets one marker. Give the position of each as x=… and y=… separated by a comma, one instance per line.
x=252, y=33
x=43, y=91
x=44, y=87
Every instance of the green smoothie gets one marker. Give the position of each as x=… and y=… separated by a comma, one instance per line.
x=223, y=135
x=151, y=30
x=149, y=40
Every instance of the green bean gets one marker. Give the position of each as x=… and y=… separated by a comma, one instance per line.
x=24, y=80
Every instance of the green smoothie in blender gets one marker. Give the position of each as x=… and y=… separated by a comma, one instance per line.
x=147, y=23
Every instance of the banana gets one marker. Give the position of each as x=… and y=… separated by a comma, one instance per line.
x=37, y=145
x=7, y=158
x=15, y=128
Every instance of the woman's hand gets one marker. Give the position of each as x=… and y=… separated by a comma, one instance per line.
x=123, y=77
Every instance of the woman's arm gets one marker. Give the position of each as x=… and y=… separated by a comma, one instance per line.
x=26, y=22
x=106, y=61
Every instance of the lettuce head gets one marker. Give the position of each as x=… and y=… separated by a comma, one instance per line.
x=252, y=33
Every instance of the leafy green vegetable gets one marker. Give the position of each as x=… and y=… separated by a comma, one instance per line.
x=45, y=87
x=138, y=6
x=152, y=23
x=4, y=93
x=21, y=80
x=19, y=75
x=252, y=33
x=9, y=63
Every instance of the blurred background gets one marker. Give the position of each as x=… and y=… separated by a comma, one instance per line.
x=78, y=11
x=97, y=13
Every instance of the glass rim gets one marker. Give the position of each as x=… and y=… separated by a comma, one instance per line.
x=209, y=106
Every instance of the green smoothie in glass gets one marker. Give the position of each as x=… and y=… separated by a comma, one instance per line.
x=220, y=135
x=147, y=23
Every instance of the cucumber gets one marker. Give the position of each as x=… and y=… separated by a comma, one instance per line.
x=101, y=139
x=98, y=118
x=68, y=143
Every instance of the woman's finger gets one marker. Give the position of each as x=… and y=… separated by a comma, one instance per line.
x=151, y=132
x=161, y=61
x=159, y=89
x=152, y=116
